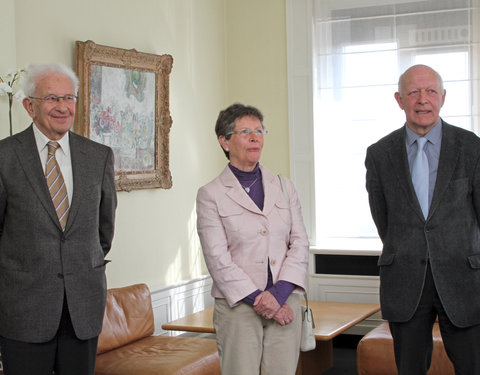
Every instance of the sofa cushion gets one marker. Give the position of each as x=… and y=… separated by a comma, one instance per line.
x=375, y=353
x=128, y=317
x=160, y=355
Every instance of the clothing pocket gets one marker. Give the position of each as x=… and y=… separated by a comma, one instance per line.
x=231, y=217
x=102, y=264
x=385, y=259
x=474, y=261
x=283, y=210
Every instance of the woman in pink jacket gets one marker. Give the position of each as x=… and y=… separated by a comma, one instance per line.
x=256, y=250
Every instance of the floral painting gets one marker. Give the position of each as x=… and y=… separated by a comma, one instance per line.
x=122, y=115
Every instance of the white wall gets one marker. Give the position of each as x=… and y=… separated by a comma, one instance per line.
x=223, y=50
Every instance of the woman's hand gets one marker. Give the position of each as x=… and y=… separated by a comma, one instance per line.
x=266, y=305
x=284, y=316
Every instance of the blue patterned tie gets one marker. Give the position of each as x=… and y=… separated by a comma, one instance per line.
x=420, y=174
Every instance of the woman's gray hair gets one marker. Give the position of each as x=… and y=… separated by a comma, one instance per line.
x=35, y=71
x=226, y=120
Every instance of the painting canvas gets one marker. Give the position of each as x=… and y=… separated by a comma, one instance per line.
x=122, y=115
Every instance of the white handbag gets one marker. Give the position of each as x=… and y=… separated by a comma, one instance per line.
x=307, y=341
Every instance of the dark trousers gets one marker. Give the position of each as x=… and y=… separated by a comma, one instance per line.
x=413, y=343
x=65, y=353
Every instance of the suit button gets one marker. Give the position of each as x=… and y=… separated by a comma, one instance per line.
x=273, y=262
x=60, y=276
x=263, y=232
x=423, y=262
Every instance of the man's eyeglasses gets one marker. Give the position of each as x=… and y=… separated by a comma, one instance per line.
x=52, y=99
x=247, y=132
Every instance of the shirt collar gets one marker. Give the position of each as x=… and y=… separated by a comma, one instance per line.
x=433, y=136
x=42, y=140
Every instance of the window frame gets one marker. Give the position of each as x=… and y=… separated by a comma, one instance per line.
x=301, y=99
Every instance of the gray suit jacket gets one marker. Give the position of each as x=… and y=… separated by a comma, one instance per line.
x=40, y=264
x=449, y=237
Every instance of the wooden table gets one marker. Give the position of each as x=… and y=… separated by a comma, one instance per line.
x=331, y=319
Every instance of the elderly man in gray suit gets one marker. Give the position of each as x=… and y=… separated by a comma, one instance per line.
x=423, y=182
x=57, y=211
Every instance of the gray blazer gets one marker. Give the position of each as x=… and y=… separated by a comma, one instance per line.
x=449, y=237
x=40, y=264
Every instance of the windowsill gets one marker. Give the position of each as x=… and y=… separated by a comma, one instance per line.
x=348, y=246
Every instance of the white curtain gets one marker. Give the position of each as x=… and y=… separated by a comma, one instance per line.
x=359, y=48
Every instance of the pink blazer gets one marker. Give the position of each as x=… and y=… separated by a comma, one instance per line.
x=238, y=239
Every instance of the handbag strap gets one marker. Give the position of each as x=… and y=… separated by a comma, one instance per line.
x=307, y=310
x=285, y=192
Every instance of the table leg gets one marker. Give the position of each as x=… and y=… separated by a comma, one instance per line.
x=317, y=361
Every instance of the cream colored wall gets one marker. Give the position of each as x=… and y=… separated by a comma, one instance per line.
x=8, y=56
x=223, y=50
x=257, y=70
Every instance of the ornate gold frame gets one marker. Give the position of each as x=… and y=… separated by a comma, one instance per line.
x=88, y=54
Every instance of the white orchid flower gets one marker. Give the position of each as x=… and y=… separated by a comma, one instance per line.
x=10, y=74
x=5, y=89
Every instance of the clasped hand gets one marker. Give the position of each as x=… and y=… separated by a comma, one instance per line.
x=268, y=307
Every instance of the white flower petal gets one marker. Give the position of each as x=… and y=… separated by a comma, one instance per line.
x=10, y=74
x=5, y=88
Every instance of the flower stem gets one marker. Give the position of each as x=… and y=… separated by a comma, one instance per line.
x=10, y=102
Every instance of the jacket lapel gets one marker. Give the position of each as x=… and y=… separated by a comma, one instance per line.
x=398, y=158
x=446, y=165
x=30, y=162
x=236, y=192
x=79, y=167
x=271, y=187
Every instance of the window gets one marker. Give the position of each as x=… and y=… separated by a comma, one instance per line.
x=359, y=49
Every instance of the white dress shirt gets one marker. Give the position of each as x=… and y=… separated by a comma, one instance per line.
x=62, y=155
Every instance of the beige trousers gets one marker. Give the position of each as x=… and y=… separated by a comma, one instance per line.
x=249, y=344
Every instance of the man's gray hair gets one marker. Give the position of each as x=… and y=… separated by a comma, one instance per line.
x=35, y=71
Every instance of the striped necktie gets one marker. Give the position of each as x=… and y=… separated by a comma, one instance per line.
x=56, y=185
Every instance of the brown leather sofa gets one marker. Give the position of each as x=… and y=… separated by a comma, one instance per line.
x=126, y=345
x=375, y=354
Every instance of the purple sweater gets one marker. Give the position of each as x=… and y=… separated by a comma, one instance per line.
x=253, y=186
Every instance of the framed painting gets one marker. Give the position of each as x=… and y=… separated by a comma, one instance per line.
x=123, y=102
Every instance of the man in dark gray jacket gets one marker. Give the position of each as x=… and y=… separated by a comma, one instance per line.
x=430, y=264
x=57, y=211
